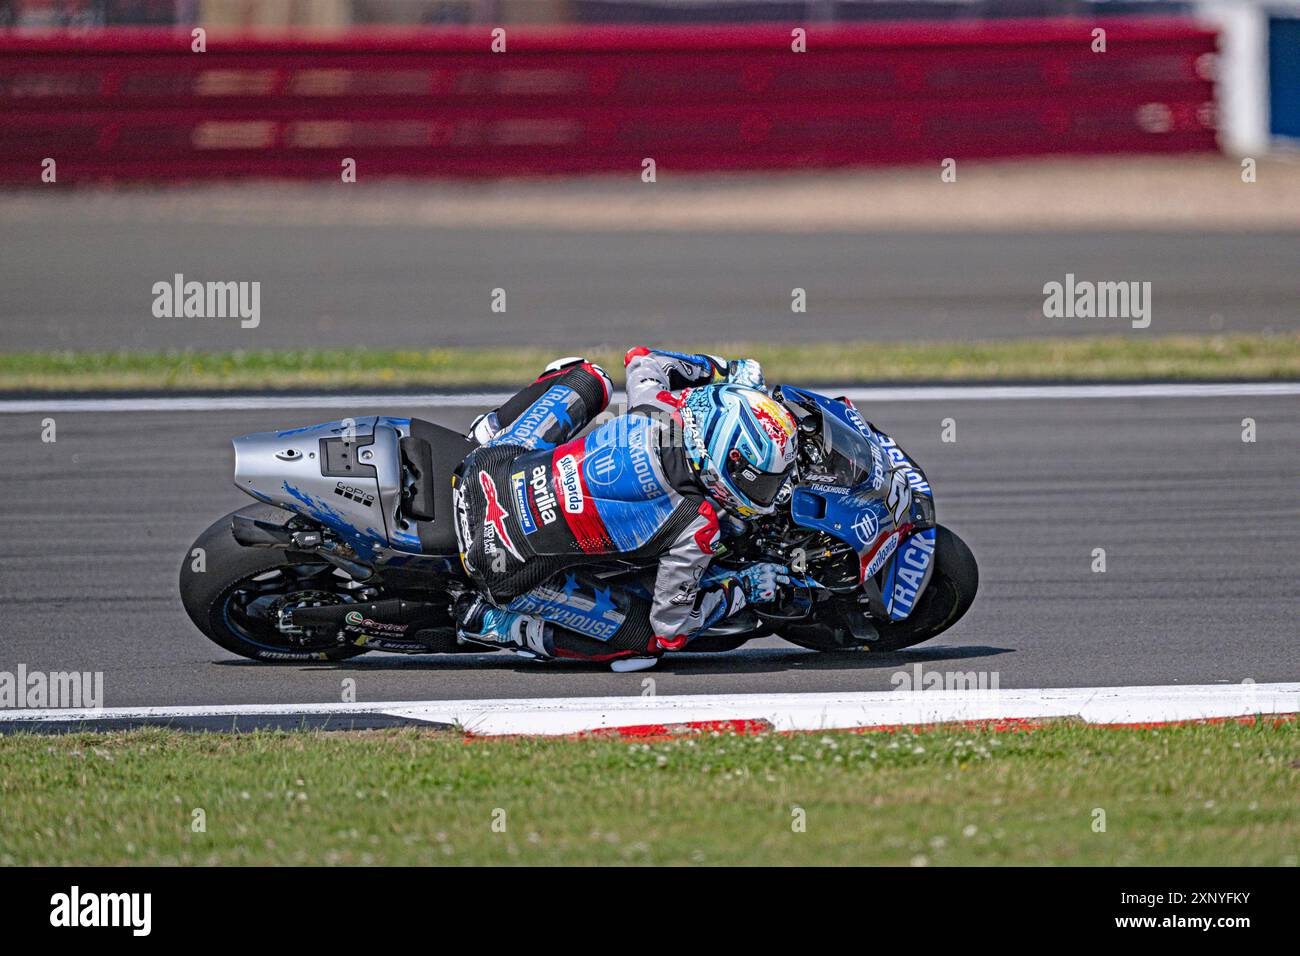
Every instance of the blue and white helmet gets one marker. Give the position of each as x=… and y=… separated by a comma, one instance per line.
x=740, y=443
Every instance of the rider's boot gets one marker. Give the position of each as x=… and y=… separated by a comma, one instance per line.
x=562, y=363
x=480, y=622
x=484, y=428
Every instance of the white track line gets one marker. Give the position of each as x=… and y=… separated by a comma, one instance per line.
x=433, y=400
x=429, y=401
x=567, y=715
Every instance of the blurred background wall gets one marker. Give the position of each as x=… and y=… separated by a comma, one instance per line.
x=359, y=12
x=1255, y=105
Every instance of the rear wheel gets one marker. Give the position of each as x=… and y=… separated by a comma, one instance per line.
x=947, y=597
x=236, y=594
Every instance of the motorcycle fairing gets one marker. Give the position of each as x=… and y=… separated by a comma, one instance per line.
x=885, y=515
x=855, y=520
x=909, y=573
x=346, y=474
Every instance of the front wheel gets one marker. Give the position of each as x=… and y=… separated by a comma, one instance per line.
x=947, y=597
x=235, y=594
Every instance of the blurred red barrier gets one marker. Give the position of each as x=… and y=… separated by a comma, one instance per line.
x=140, y=105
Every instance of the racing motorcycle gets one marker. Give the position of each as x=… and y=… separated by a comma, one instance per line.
x=352, y=545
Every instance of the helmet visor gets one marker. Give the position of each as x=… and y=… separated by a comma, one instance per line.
x=760, y=487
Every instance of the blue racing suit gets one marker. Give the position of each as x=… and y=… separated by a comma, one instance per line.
x=537, y=507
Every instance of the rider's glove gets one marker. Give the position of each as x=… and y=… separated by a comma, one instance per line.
x=761, y=581
x=746, y=372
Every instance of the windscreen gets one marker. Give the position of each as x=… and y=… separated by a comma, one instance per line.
x=852, y=458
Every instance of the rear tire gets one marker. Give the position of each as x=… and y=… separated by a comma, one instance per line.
x=947, y=597
x=230, y=569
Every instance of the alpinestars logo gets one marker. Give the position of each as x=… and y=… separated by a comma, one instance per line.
x=496, y=515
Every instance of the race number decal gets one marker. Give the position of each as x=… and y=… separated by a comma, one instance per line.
x=900, y=496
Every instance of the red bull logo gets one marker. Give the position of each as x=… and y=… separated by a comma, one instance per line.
x=775, y=420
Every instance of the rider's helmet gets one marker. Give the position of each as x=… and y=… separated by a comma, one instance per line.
x=740, y=442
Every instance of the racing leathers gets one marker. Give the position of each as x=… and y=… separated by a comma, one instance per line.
x=537, y=507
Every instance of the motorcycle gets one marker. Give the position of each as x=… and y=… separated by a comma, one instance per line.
x=351, y=546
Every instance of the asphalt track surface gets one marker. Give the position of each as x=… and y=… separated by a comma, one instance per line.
x=87, y=285
x=1200, y=531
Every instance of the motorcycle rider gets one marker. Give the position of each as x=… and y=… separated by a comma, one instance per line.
x=700, y=443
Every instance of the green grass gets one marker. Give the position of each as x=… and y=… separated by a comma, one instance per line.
x=1105, y=357
x=1216, y=794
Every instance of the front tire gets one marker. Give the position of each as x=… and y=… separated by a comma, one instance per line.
x=947, y=597
x=231, y=599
